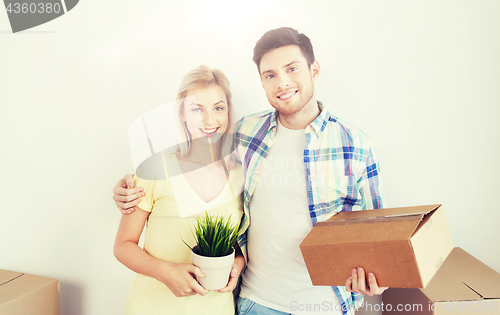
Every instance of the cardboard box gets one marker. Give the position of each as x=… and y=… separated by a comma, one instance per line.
x=403, y=247
x=22, y=293
x=463, y=285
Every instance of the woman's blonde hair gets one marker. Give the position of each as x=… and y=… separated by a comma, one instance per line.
x=202, y=77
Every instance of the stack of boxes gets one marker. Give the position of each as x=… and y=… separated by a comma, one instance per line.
x=409, y=250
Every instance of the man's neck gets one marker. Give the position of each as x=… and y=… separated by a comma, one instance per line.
x=303, y=118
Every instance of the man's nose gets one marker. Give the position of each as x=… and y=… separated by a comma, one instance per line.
x=284, y=81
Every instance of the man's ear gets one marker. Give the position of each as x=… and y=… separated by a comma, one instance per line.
x=315, y=70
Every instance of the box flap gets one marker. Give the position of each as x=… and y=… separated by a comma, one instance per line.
x=474, y=273
x=351, y=226
x=462, y=277
x=432, y=243
x=355, y=231
x=7, y=276
x=445, y=286
x=383, y=213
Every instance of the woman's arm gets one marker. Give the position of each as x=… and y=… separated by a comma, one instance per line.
x=177, y=277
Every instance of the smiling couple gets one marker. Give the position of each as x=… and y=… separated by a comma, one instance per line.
x=275, y=218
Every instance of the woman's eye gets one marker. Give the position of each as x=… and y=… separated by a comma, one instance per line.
x=196, y=109
x=219, y=108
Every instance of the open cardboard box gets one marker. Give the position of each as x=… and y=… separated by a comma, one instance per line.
x=463, y=285
x=22, y=293
x=403, y=247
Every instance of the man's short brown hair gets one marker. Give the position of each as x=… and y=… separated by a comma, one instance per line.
x=283, y=36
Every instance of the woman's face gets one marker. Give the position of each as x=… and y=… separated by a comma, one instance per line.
x=206, y=113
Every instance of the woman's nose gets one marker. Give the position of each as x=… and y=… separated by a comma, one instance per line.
x=208, y=118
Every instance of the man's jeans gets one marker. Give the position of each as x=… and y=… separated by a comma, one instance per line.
x=249, y=307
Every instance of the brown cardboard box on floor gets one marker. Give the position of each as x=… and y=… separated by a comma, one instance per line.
x=463, y=285
x=22, y=293
x=403, y=247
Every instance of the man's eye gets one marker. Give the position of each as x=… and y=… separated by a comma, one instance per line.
x=270, y=76
x=292, y=69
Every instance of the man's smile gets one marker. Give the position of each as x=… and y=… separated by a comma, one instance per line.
x=287, y=95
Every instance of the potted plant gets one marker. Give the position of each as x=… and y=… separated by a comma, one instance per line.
x=215, y=237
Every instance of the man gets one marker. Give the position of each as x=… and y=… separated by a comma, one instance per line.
x=302, y=165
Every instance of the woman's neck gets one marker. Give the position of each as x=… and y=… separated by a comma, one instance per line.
x=204, y=153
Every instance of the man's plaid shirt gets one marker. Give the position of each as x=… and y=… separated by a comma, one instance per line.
x=341, y=171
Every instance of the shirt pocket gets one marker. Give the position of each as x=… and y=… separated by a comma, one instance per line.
x=342, y=194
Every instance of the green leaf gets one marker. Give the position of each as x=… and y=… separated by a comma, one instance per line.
x=215, y=235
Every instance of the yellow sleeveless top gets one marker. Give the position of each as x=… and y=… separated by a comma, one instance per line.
x=174, y=207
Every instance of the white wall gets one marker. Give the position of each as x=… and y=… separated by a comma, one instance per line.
x=420, y=77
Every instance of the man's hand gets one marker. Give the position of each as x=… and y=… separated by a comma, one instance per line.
x=127, y=198
x=357, y=283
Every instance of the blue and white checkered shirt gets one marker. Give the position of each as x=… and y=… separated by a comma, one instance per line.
x=341, y=172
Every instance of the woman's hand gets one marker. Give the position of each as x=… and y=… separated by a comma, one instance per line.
x=179, y=278
x=238, y=265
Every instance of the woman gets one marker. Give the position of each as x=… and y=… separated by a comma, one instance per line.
x=178, y=187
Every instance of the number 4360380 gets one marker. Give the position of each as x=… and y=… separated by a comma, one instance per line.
x=34, y=8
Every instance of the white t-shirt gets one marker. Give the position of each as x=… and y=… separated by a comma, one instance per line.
x=276, y=274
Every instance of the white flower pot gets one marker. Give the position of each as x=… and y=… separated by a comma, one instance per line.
x=215, y=269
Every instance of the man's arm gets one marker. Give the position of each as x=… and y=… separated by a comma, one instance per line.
x=370, y=185
x=370, y=188
x=125, y=196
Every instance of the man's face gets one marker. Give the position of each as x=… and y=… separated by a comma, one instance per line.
x=288, y=80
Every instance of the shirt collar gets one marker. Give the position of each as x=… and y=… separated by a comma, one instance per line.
x=318, y=124
x=272, y=125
